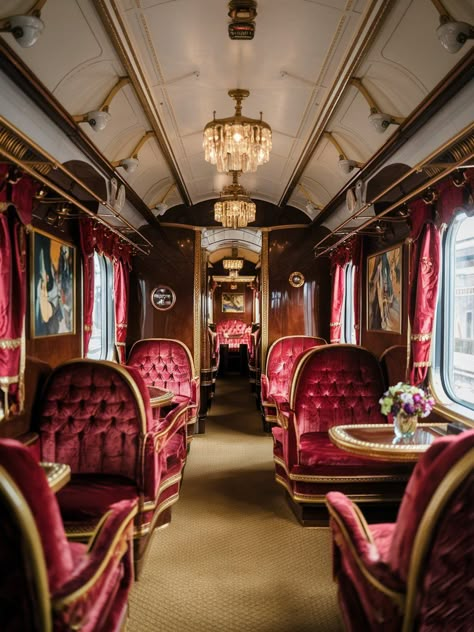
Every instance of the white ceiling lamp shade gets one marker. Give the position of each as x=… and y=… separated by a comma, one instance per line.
x=453, y=35
x=237, y=143
x=26, y=29
x=235, y=209
x=345, y=165
x=378, y=119
x=98, y=119
x=130, y=164
x=160, y=207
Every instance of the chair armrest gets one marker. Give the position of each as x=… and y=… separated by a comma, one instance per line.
x=80, y=596
x=358, y=548
x=282, y=409
x=263, y=387
x=195, y=390
x=174, y=420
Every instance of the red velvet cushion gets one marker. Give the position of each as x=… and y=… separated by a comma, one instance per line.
x=89, y=496
x=427, y=475
x=31, y=480
x=318, y=455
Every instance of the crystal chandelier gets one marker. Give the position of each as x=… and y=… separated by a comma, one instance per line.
x=237, y=143
x=235, y=209
x=233, y=264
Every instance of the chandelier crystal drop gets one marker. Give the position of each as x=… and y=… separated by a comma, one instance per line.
x=235, y=209
x=237, y=143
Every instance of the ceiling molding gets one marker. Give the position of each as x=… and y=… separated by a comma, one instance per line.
x=120, y=39
x=362, y=41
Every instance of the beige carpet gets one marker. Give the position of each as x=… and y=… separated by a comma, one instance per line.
x=234, y=558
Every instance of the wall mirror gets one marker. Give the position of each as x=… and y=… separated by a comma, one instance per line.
x=163, y=298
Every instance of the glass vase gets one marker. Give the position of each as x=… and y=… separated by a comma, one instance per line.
x=404, y=425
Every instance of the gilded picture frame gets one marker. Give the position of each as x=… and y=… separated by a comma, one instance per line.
x=233, y=303
x=384, y=290
x=52, y=286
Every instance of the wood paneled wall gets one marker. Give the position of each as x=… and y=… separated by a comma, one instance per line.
x=171, y=263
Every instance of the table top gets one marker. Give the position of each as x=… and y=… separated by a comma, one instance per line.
x=378, y=441
x=58, y=474
x=159, y=397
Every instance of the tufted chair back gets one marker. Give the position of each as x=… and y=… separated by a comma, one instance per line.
x=336, y=384
x=233, y=332
x=164, y=363
x=280, y=360
x=93, y=417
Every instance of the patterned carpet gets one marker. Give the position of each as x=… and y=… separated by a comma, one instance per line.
x=234, y=558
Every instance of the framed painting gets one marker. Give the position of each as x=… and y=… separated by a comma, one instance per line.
x=233, y=303
x=384, y=290
x=53, y=286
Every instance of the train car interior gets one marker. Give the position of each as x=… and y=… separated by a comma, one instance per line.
x=236, y=315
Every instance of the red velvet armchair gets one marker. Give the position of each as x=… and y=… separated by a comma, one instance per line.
x=47, y=582
x=331, y=385
x=416, y=573
x=233, y=332
x=274, y=383
x=96, y=416
x=166, y=363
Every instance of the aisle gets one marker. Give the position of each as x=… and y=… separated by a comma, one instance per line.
x=233, y=558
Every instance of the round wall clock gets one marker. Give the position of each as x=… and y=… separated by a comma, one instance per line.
x=296, y=279
x=163, y=298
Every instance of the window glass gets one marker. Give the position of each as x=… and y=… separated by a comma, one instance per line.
x=455, y=341
x=101, y=345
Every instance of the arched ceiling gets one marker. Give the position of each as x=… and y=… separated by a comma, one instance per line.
x=180, y=63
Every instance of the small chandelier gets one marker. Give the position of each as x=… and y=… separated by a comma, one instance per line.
x=233, y=264
x=237, y=143
x=235, y=209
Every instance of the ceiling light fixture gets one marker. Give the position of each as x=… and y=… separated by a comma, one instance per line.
x=451, y=33
x=237, y=143
x=160, y=206
x=99, y=118
x=345, y=165
x=379, y=120
x=130, y=164
x=233, y=264
x=312, y=209
x=26, y=28
x=235, y=209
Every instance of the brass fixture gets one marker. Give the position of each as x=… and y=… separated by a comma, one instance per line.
x=345, y=165
x=379, y=120
x=99, y=118
x=237, y=143
x=130, y=164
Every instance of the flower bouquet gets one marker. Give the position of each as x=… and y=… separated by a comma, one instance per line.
x=405, y=403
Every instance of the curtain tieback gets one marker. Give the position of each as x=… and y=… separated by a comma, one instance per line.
x=420, y=337
x=334, y=324
x=12, y=343
x=418, y=364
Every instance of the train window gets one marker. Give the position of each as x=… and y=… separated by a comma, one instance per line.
x=454, y=344
x=101, y=345
x=348, y=333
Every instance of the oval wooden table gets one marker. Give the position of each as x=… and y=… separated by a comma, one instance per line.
x=378, y=441
x=159, y=398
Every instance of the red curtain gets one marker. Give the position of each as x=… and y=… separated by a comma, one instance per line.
x=88, y=244
x=337, y=301
x=121, y=287
x=98, y=238
x=425, y=262
x=16, y=202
